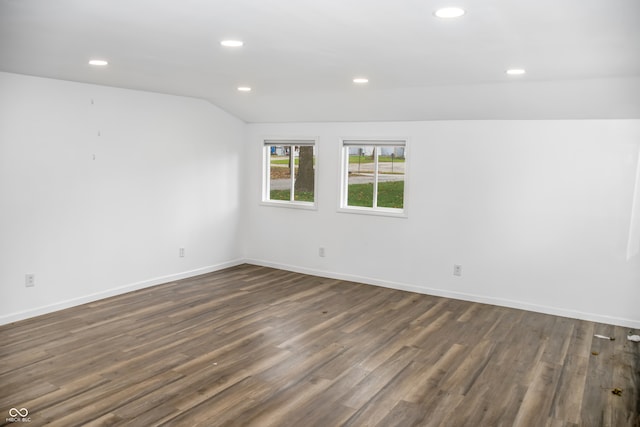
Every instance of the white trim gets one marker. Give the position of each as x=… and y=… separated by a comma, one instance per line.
x=266, y=167
x=394, y=213
x=290, y=204
x=502, y=302
x=376, y=177
x=26, y=314
x=343, y=207
x=384, y=142
x=296, y=142
x=633, y=241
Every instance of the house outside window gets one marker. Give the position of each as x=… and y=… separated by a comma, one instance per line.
x=374, y=176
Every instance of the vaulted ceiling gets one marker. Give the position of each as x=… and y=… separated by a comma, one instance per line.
x=582, y=57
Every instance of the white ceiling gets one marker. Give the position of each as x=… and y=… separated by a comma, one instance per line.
x=582, y=56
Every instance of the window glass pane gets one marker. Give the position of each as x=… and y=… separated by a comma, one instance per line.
x=304, y=188
x=361, y=176
x=279, y=172
x=391, y=162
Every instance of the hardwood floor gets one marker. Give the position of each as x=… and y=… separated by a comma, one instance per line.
x=254, y=346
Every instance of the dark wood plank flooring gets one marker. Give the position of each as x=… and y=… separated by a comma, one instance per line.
x=254, y=346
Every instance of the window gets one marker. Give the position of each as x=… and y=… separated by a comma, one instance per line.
x=289, y=172
x=373, y=176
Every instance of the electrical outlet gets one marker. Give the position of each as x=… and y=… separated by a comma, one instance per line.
x=30, y=280
x=181, y=252
x=457, y=270
x=321, y=252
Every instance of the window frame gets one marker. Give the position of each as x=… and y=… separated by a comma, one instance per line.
x=266, y=171
x=345, y=144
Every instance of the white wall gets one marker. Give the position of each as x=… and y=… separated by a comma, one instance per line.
x=165, y=175
x=538, y=213
x=542, y=215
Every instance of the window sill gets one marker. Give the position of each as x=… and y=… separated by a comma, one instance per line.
x=291, y=205
x=395, y=213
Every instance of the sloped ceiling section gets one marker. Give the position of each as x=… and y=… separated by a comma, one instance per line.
x=299, y=57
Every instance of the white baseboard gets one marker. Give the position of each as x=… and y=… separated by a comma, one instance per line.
x=556, y=311
x=14, y=317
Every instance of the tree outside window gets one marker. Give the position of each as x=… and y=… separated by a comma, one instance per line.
x=289, y=172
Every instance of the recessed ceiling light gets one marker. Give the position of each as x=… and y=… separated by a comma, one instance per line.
x=244, y=88
x=449, y=12
x=232, y=43
x=98, y=62
x=360, y=80
x=515, y=71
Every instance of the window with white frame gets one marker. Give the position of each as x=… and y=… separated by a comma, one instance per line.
x=289, y=172
x=374, y=176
